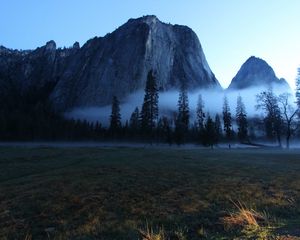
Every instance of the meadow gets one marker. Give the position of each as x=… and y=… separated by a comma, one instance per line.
x=148, y=193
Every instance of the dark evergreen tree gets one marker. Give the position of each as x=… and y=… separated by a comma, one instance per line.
x=200, y=113
x=218, y=128
x=241, y=120
x=200, y=117
x=115, y=118
x=227, y=120
x=98, y=131
x=134, y=124
x=183, y=117
x=125, y=133
x=209, y=137
x=149, y=113
x=164, y=131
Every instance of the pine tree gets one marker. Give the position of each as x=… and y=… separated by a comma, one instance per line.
x=115, y=117
x=134, y=123
x=218, y=128
x=183, y=109
x=209, y=137
x=183, y=116
x=149, y=113
x=241, y=120
x=164, y=131
x=227, y=120
x=200, y=113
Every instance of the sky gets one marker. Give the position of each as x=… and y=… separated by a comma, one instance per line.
x=230, y=31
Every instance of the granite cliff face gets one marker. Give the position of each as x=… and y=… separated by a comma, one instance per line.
x=256, y=72
x=116, y=64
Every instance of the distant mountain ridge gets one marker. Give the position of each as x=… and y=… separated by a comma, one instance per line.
x=256, y=72
x=116, y=64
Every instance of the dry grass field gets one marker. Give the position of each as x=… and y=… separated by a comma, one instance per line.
x=148, y=193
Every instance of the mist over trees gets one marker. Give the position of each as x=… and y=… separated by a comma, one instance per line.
x=276, y=121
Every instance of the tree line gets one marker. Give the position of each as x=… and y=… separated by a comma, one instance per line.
x=32, y=118
x=280, y=119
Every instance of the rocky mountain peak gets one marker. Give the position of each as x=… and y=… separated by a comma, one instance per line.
x=256, y=72
x=50, y=46
x=76, y=45
x=149, y=19
x=116, y=65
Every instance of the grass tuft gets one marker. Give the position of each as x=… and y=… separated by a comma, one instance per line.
x=244, y=216
x=150, y=234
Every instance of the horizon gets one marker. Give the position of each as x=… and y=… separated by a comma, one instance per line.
x=269, y=34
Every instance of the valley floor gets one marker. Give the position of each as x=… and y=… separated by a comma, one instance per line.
x=114, y=192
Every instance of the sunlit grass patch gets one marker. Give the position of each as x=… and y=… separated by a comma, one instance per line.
x=150, y=234
x=243, y=216
x=251, y=223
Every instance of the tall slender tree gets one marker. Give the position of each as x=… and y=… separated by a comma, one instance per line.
x=115, y=117
x=209, y=137
x=164, y=131
x=149, y=112
x=183, y=108
x=183, y=116
x=134, y=124
x=218, y=128
x=227, y=120
x=200, y=113
x=241, y=120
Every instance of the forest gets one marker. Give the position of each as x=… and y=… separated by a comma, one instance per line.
x=30, y=117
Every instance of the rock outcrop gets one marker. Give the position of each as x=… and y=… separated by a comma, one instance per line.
x=116, y=64
x=256, y=72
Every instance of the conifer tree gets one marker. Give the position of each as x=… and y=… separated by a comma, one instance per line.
x=183, y=116
x=209, y=137
x=200, y=113
x=227, y=120
x=149, y=113
x=134, y=120
x=218, y=128
x=241, y=120
x=164, y=131
x=115, y=117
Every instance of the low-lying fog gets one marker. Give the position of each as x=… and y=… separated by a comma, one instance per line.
x=213, y=103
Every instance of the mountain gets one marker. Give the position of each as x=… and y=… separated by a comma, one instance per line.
x=256, y=72
x=116, y=64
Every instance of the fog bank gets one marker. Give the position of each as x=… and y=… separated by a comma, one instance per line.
x=213, y=103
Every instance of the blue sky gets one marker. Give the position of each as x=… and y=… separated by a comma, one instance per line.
x=230, y=31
